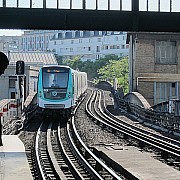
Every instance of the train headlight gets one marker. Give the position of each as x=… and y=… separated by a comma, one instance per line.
x=40, y=94
x=69, y=94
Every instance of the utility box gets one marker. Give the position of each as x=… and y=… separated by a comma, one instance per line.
x=172, y=106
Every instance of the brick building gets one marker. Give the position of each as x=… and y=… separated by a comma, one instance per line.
x=154, y=61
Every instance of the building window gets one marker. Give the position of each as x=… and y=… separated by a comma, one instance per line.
x=116, y=38
x=71, y=49
x=80, y=40
x=13, y=95
x=59, y=35
x=89, y=48
x=97, y=48
x=96, y=33
x=165, y=52
x=72, y=41
x=99, y=39
x=122, y=46
x=164, y=91
x=12, y=82
x=54, y=42
x=97, y=56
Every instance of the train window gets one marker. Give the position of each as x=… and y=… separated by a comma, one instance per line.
x=72, y=83
x=55, y=78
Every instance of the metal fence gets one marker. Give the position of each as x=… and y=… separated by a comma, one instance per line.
x=166, y=120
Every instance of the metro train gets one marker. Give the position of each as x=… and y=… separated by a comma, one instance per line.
x=59, y=88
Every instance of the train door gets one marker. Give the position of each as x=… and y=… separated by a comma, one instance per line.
x=75, y=86
x=73, y=99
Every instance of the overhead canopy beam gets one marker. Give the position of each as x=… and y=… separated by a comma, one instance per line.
x=71, y=19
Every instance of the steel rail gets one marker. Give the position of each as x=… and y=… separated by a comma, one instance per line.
x=52, y=156
x=167, y=139
x=140, y=136
x=70, y=163
x=83, y=160
x=37, y=152
x=143, y=132
x=114, y=175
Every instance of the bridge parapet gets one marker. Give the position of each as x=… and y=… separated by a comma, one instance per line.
x=136, y=106
x=136, y=98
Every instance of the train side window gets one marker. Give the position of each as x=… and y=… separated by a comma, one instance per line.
x=77, y=83
x=73, y=83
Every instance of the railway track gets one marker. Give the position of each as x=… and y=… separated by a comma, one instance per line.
x=61, y=154
x=54, y=157
x=96, y=109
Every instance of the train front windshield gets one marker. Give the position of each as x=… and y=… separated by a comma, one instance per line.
x=55, y=77
x=55, y=82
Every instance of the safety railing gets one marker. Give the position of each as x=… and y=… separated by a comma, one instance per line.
x=165, y=120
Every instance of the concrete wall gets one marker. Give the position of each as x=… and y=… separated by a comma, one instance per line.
x=31, y=74
x=4, y=87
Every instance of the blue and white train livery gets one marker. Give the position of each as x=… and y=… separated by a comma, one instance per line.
x=59, y=87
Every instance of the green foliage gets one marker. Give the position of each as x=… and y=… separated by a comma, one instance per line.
x=107, y=68
x=75, y=63
x=59, y=59
x=91, y=67
x=116, y=69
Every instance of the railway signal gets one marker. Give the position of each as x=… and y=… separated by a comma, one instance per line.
x=20, y=67
x=19, y=85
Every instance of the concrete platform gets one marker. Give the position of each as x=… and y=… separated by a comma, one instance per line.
x=13, y=160
x=137, y=164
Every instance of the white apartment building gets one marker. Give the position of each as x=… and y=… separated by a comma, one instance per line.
x=89, y=45
x=36, y=40
x=10, y=43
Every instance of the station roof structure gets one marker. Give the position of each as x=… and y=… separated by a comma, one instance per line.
x=32, y=58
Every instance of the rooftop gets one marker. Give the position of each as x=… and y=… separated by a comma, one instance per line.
x=32, y=58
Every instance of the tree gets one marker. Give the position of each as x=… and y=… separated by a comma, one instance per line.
x=116, y=69
x=75, y=63
x=59, y=59
x=106, y=68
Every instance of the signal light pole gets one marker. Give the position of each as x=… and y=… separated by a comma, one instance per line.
x=20, y=86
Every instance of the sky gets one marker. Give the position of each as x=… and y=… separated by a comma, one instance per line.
x=10, y=32
x=91, y=4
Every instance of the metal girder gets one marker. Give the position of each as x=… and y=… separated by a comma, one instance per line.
x=71, y=19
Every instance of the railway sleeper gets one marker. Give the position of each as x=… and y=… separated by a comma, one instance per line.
x=164, y=154
x=65, y=168
x=87, y=155
x=98, y=167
